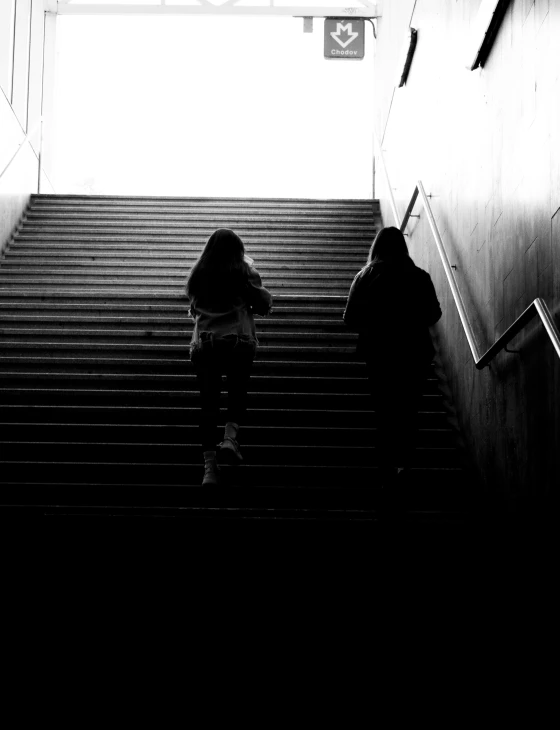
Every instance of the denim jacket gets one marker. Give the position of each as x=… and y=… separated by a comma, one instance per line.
x=236, y=318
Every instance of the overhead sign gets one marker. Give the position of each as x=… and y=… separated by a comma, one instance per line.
x=344, y=38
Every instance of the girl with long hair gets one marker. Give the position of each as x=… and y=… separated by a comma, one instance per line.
x=224, y=290
x=391, y=304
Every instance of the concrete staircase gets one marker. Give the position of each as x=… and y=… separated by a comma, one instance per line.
x=98, y=407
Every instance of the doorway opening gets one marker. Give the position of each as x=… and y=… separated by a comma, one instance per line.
x=209, y=106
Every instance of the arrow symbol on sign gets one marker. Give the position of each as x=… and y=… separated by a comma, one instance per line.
x=340, y=29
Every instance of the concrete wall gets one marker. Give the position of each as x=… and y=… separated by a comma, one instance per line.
x=20, y=180
x=21, y=99
x=486, y=144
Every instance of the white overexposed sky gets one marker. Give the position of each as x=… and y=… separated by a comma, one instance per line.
x=210, y=106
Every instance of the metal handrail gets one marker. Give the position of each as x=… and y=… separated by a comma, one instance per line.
x=537, y=306
x=27, y=138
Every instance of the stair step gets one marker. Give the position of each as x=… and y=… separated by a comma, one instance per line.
x=300, y=399
x=56, y=321
x=94, y=366
x=71, y=336
x=183, y=474
x=120, y=298
x=125, y=200
x=188, y=434
x=260, y=383
x=270, y=381
x=170, y=415
x=19, y=254
x=40, y=301
x=257, y=455
x=124, y=204
x=311, y=499
x=140, y=268
x=228, y=218
x=156, y=350
x=168, y=228
x=38, y=244
x=168, y=277
x=112, y=373
x=131, y=292
x=156, y=287
x=151, y=276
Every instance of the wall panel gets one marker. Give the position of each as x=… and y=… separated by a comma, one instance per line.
x=21, y=60
x=7, y=24
x=20, y=180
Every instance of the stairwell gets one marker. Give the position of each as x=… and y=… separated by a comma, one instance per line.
x=98, y=402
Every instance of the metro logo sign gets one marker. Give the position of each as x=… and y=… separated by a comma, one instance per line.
x=344, y=38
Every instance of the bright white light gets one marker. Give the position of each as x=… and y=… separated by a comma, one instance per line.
x=210, y=106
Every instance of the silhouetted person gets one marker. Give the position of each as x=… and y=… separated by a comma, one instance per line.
x=392, y=303
x=224, y=290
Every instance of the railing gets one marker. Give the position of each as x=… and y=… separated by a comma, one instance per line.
x=38, y=124
x=537, y=307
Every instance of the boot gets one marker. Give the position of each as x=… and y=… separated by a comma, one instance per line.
x=229, y=448
x=211, y=469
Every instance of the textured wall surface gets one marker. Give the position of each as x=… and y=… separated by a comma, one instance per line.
x=21, y=99
x=486, y=144
x=20, y=180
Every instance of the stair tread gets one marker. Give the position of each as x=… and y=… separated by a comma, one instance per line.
x=197, y=465
x=183, y=426
x=50, y=198
x=46, y=266
x=200, y=217
x=338, y=299
x=343, y=230
x=246, y=445
x=161, y=392
x=189, y=244
x=144, y=320
x=175, y=334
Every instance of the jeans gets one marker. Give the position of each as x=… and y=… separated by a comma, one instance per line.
x=233, y=357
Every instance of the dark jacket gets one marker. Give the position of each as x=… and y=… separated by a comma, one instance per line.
x=392, y=305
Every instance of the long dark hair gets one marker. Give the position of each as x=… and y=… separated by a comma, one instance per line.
x=389, y=246
x=221, y=269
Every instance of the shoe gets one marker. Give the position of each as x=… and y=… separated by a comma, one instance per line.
x=229, y=451
x=211, y=470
